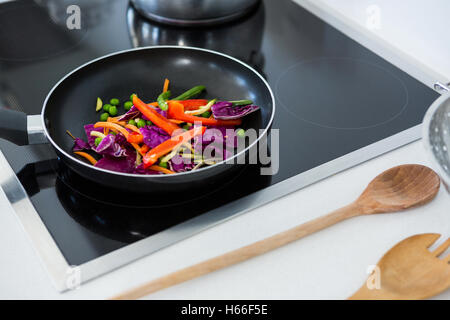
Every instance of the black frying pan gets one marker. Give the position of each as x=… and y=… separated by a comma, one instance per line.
x=71, y=104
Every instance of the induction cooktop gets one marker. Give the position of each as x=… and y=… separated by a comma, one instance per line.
x=338, y=104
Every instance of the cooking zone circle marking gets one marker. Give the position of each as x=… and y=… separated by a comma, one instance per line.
x=366, y=95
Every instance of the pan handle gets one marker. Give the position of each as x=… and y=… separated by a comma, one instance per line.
x=21, y=129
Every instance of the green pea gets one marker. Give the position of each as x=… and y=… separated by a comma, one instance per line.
x=141, y=123
x=206, y=114
x=132, y=122
x=104, y=116
x=113, y=111
x=240, y=133
x=149, y=123
x=97, y=141
x=187, y=127
x=106, y=107
x=127, y=105
x=163, y=164
x=132, y=95
x=114, y=102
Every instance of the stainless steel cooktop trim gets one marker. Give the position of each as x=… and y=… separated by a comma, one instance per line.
x=57, y=266
x=47, y=250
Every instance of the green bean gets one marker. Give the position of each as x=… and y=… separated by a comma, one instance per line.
x=162, y=100
x=163, y=164
x=241, y=102
x=206, y=114
x=191, y=93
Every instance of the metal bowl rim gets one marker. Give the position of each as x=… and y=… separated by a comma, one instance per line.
x=426, y=136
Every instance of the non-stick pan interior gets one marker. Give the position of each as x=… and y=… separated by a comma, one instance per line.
x=72, y=103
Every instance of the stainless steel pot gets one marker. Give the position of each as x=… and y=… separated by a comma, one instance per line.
x=193, y=12
x=241, y=39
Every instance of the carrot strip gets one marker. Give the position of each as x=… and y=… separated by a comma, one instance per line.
x=132, y=127
x=176, y=111
x=189, y=105
x=87, y=156
x=138, y=148
x=176, y=121
x=135, y=137
x=145, y=148
x=164, y=148
x=114, y=120
x=166, y=85
x=112, y=126
x=154, y=116
x=161, y=169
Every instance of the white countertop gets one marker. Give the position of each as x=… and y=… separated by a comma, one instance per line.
x=331, y=264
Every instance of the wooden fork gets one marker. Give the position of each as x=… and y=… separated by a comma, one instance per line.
x=410, y=271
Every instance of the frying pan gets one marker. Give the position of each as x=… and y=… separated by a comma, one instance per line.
x=71, y=104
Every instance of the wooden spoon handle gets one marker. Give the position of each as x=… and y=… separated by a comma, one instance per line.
x=241, y=254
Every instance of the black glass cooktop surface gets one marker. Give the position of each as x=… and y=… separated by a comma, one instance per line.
x=333, y=97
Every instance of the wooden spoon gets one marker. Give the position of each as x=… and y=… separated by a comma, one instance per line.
x=410, y=271
x=396, y=189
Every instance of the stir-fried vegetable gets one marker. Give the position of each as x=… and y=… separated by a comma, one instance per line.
x=99, y=105
x=164, y=148
x=162, y=137
x=195, y=91
x=135, y=137
x=104, y=116
x=241, y=102
x=227, y=111
x=193, y=104
x=161, y=169
x=176, y=111
x=166, y=85
x=162, y=100
x=154, y=116
x=202, y=110
x=87, y=156
x=112, y=126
